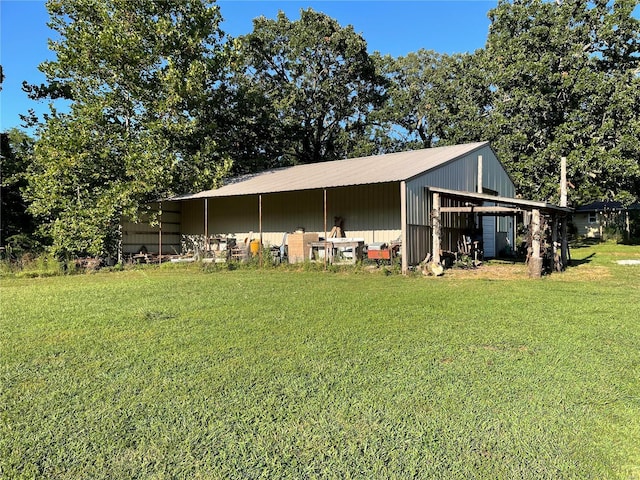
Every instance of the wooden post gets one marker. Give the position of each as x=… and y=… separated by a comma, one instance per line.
x=479, y=174
x=563, y=181
x=627, y=225
x=535, y=262
x=120, y=242
x=564, y=240
x=436, y=228
x=557, y=263
x=564, y=243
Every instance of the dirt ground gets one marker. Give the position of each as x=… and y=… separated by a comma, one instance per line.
x=496, y=270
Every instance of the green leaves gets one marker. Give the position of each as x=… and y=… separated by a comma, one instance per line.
x=435, y=99
x=309, y=82
x=140, y=76
x=15, y=152
x=556, y=79
x=566, y=85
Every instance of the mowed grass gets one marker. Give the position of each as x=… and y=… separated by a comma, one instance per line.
x=176, y=373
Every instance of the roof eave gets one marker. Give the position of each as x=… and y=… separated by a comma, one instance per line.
x=498, y=199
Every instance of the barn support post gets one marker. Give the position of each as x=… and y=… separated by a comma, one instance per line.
x=403, y=227
x=557, y=261
x=535, y=262
x=627, y=225
x=324, y=202
x=436, y=228
x=120, y=258
x=260, y=227
x=564, y=242
x=160, y=233
x=479, y=189
x=206, y=224
x=563, y=181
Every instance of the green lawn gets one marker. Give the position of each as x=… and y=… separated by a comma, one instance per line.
x=176, y=373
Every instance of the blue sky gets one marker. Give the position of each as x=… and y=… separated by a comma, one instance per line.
x=393, y=27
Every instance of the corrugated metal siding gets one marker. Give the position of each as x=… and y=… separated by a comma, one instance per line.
x=457, y=175
x=142, y=234
x=233, y=214
x=460, y=174
x=285, y=212
x=192, y=217
x=371, y=212
x=418, y=243
x=489, y=236
x=494, y=176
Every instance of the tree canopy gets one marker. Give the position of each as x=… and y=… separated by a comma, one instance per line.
x=435, y=99
x=565, y=78
x=139, y=75
x=15, y=151
x=305, y=88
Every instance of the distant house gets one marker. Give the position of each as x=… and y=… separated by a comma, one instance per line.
x=593, y=219
x=382, y=198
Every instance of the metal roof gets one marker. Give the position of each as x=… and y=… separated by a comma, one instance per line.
x=484, y=197
x=607, y=205
x=391, y=167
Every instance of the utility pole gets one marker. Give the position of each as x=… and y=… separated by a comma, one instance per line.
x=563, y=181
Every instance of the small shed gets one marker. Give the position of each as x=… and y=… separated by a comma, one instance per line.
x=382, y=198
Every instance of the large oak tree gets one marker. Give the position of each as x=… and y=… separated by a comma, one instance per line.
x=304, y=89
x=566, y=82
x=138, y=75
x=434, y=99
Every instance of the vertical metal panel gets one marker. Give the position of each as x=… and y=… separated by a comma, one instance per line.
x=367, y=208
x=324, y=211
x=371, y=212
x=135, y=235
x=192, y=214
x=418, y=243
x=403, y=223
x=489, y=236
x=206, y=218
x=495, y=176
x=285, y=212
x=231, y=214
x=461, y=174
x=435, y=228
